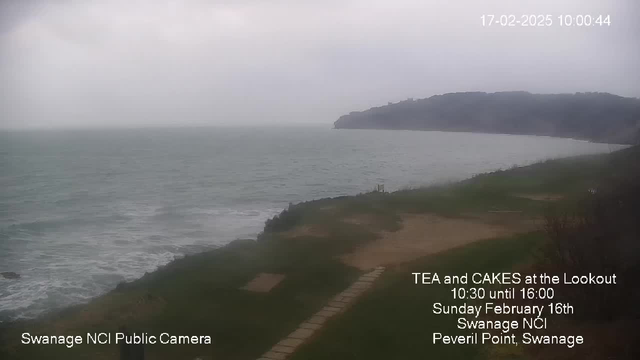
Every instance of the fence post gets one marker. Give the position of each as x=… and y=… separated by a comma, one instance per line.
x=130, y=351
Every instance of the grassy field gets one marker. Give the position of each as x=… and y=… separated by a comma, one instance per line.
x=395, y=320
x=201, y=295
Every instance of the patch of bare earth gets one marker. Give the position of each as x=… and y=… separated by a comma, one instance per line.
x=420, y=235
x=263, y=282
x=541, y=197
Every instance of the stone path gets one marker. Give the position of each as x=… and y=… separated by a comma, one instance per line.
x=337, y=304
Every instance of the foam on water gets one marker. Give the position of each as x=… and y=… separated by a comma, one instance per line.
x=81, y=211
x=64, y=275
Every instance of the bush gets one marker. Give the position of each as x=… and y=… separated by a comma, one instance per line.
x=602, y=238
x=286, y=220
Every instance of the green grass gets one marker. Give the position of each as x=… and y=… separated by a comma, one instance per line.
x=395, y=320
x=200, y=294
x=496, y=191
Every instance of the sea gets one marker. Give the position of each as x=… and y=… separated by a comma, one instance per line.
x=82, y=210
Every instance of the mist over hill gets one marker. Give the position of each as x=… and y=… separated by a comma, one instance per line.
x=600, y=117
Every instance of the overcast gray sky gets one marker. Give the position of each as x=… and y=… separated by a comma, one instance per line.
x=88, y=63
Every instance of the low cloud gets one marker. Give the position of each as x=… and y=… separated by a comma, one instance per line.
x=136, y=63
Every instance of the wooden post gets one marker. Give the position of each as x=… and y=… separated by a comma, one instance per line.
x=130, y=351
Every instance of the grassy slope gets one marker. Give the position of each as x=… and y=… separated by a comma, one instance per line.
x=395, y=320
x=200, y=294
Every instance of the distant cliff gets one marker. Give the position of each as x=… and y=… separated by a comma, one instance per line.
x=598, y=117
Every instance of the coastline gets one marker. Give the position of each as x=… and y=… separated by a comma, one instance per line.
x=592, y=141
x=263, y=233
x=319, y=247
x=142, y=229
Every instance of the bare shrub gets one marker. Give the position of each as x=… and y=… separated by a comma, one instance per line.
x=601, y=237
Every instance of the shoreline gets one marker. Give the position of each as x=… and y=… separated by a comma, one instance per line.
x=622, y=145
x=71, y=307
x=55, y=311
x=317, y=249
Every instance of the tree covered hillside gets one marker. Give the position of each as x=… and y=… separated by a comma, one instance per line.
x=598, y=117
